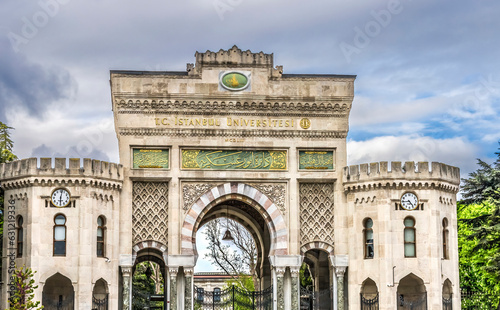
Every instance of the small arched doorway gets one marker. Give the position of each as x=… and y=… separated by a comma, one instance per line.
x=148, y=280
x=58, y=293
x=369, y=295
x=315, y=278
x=412, y=293
x=100, y=295
x=447, y=295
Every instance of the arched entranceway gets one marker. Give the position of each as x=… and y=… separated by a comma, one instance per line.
x=316, y=281
x=412, y=293
x=100, y=295
x=260, y=216
x=149, y=279
x=58, y=293
x=447, y=295
x=369, y=295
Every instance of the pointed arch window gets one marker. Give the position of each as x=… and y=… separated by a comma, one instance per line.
x=446, y=253
x=101, y=231
x=20, y=236
x=59, y=235
x=368, y=238
x=410, y=237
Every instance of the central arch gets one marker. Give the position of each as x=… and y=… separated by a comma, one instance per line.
x=241, y=192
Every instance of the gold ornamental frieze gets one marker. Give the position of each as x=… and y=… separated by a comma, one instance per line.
x=316, y=160
x=150, y=158
x=234, y=159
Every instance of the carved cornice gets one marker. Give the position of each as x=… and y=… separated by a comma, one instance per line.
x=314, y=134
x=188, y=272
x=24, y=182
x=126, y=271
x=337, y=108
x=280, y=271
x=173, y=271
x=403, y=184
x=294, y=272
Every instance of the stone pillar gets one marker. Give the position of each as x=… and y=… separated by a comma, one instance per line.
x=294, y=271
x=340, y=271
x=280, y=287
x=188, y=289
x=127, y=290
x=172, y=272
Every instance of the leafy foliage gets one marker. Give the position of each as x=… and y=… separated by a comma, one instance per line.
x=305, y=276
x=24, y=293
x=144, y=286
x=479, y=234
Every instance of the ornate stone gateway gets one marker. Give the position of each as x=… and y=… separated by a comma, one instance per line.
x=234, y=136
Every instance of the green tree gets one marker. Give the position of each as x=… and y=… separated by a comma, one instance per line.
x=144, y=285
x=479, y=230
x=6, y=144
x=24, y=293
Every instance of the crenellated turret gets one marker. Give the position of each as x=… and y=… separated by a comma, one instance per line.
x=419, y=174
x=28, y=168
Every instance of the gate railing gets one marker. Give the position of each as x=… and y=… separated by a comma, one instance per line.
x=312, y=300
x=100, y=304
x=233, y=297
x=472, y=300
x=417, y=304
x=369, y=304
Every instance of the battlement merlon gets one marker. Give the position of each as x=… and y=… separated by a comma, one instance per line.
x=408, y=172
x=91, y=168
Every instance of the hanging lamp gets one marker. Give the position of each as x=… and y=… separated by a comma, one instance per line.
x=227, y=235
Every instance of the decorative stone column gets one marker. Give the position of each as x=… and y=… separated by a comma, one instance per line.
x=188, y=290
x=340, y=271
x=294, y=271
x=280, y=287
x=126, y=275
x=172, y=272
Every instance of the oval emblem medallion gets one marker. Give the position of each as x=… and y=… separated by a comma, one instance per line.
x=234, y=81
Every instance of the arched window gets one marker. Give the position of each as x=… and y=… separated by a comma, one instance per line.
x=409, y=235
x=216, y=294
x=368, y=236
x=60, y=235
x=445, y=239
x=101, y=230
x=20, y=236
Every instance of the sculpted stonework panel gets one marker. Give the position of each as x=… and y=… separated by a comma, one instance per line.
x=192, y=191
x=316, y=212
x=150, y=211
x=275, y=192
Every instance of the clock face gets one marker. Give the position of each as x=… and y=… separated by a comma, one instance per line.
x=409, y=201
x=60, y=197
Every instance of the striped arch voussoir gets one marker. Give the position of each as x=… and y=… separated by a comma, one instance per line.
x=151, y=245
x=316, y=245
x=242, y=192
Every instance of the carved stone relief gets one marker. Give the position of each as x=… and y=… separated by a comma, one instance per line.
x=316, y=212
x=150, y=212
x=192, y=191
x=275, y=192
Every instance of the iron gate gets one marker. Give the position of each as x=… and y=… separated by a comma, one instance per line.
x=233, y=298
x=413, y=304
x=447, y=305
x=310, y=300
x=100, y=304
x=369, y=304
x=60, y=303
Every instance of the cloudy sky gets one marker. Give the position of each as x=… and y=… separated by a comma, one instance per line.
x=428, y=83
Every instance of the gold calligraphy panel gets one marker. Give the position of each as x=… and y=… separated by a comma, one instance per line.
x=316, y=160
x=234, y=160
x=150, y=158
